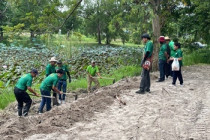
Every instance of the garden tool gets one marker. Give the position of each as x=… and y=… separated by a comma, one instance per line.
x=43, y=96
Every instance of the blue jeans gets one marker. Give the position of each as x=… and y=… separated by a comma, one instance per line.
x=62, y=85
x=45, y=100
x=162, y=64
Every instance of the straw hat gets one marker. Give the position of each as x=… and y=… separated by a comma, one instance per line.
x=167, y=38
x=53, y=59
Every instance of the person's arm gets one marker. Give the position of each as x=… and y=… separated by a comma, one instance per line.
x=55, y=89
x=47, y=71
x=89, y=73
x=180, y=58
x=146, y=56
x=99, y=75
x=97, y=72
x=68, y=73
x=32, y=91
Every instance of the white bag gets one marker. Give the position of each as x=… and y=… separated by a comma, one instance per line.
x=175, y=65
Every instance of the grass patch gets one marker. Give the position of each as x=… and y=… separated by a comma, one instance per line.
x=122, y=72
x=6, y=96
x=197, y=57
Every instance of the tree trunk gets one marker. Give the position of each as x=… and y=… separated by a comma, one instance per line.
x=99, y=32
x=107, y=39
x=32, y=35
x=1, y=34
x=156, y=34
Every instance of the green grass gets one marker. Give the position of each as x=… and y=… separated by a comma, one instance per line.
x=6, y=96
x=124, y=71
x=197, y=57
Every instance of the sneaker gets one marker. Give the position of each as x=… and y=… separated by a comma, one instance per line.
x=59, y=101
x=140, y=92
x=159, y=80
x=172, y=85
x=63, y=102
x=148, y=91
x=40, y=112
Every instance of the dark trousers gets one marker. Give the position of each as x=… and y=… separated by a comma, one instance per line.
x=22, y=97
x=62, y=85
x=44, y=101
x=162, y=64
x=167, y=69
x=171, y=72
x=179, y=75
x=145, y=80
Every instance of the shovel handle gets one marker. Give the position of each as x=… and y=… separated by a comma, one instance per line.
x=43, y=96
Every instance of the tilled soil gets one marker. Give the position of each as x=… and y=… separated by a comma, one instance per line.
x=167, y=113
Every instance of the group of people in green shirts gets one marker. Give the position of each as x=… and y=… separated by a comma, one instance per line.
x=56, y=81
x=57, y=74
x=169, y=50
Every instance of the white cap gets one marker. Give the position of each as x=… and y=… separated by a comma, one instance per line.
x=53, y=59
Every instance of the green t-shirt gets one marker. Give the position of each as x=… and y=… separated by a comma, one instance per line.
x=178, y=54
x=171, y=45
x=148, y=48
x=163, y=49
x=65, y=69
x=92, y=70
x=24, y=82
x=49, y=81
x=50, y=69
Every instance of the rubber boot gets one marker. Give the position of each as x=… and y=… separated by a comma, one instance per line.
x=26, y=109
x=54, y=100
x=20, y=111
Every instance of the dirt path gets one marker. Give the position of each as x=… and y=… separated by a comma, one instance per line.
x=168, y=113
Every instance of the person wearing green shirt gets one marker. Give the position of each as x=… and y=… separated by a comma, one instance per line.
x=163, y=56
x=50, y=68
x=23, y=84
x=92, y=71
x=148, y=50
x=168, y=50
x=48, y=84
x=178, y=55
x=62, y=84
x=172, y=52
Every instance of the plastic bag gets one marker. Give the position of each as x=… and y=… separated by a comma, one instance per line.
x=175, y=65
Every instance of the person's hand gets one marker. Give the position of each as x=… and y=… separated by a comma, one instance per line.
x=142, y=62
x=36, y=94
x=61, y=92
x=70, y=80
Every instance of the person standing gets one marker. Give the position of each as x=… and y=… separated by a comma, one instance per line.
x=162, y=58
x=168, y=50
x=50, y=68
x=172, y=52
x=178, y=55
x=23, y=84
x=62, y=83
x=148, y=50
x=92, y=70
x=48, y=84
